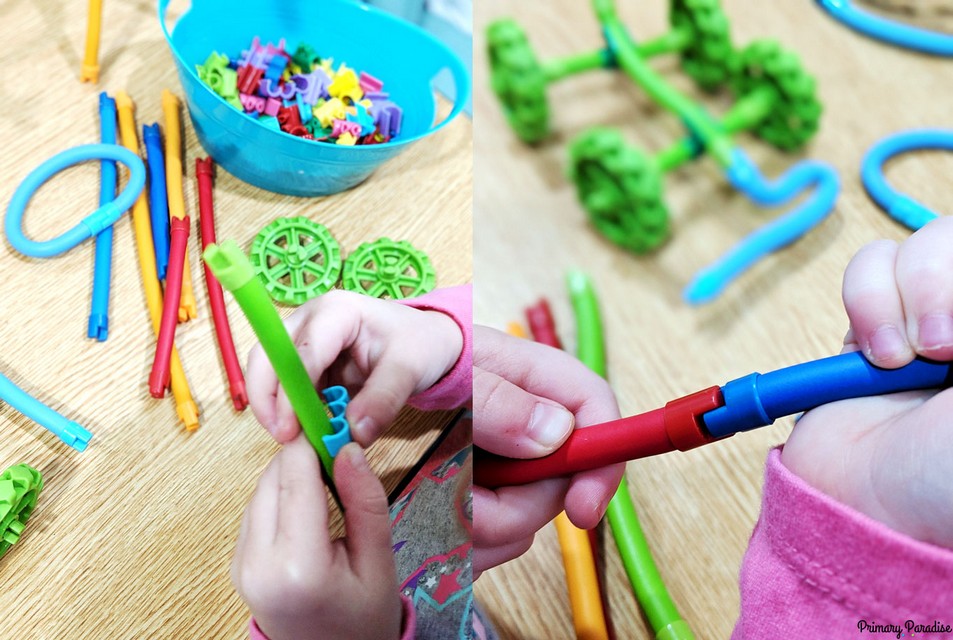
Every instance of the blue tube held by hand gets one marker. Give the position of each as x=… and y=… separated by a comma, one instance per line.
x=744, y=175
x=98, y=326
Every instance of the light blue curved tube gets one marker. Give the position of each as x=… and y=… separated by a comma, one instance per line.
x=890, y=31
x=898, y=206
x=98, y=326
x=744, y=175
x=89, y=226
x=63, y=428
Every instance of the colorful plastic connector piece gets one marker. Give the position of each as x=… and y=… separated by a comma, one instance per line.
x=20, y=486
x=388, y=269
x=297, y=259
x=337, y=399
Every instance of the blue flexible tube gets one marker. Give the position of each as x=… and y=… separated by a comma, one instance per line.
x=745, y=176
x=758, y=400
x=158, y=197
x=898, y=206
x=98, y=326
x=896, y=33
x=66, y=430
x=105, y=216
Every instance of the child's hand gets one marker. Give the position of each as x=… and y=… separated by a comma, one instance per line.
x=296, y=581
x=891, y=457
x=527, y=398
x=387, y=350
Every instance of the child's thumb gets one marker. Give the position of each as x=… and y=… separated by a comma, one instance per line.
x=366, y=514
x=379, y=401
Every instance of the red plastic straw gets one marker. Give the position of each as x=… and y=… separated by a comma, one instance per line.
x=236, y=380
x=159, y=378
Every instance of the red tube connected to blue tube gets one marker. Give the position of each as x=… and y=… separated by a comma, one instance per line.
x=746, y=403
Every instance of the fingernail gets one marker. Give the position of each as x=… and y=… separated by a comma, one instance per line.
x=886, y=343
x=549, y=424
x=936, y=331
x=355, y=456
x=363, y=428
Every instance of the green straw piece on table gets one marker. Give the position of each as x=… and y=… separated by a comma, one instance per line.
x=643, y=574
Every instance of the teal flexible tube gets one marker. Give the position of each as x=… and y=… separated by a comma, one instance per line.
x=63, y=428
x=646, y=581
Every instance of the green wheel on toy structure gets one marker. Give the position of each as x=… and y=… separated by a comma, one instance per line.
x=621, y=189
x=708, y=57
x=297, y=259
x=518, y=80
x=20, y=487
x=388, y=269
x=796, y=114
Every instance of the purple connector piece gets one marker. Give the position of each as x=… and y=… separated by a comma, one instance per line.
x=388, y=118
x=312, y=86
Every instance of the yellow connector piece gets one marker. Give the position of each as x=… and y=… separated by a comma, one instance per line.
x=173, y=181
x=89, y=72
x=185, y=405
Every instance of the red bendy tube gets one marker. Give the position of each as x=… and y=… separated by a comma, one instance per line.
x=233, y=369
x=159, y=377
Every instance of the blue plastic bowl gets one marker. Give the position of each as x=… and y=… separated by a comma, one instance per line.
x=403, y=56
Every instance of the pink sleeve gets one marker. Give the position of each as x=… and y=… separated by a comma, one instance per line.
x=815, y=568
x=407, y=631
x=456, y=387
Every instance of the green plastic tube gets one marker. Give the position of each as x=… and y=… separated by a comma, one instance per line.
x=643, y=574
x=231, y=267
x=559, y=68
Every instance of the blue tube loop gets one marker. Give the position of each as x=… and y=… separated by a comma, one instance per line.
x=758, y=400
x=98, y=326
x=105, y=216
x=898, y=206
x=744, y=175
x=890, y=31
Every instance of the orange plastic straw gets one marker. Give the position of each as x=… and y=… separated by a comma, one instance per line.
x=185, y=406
x=89, y=72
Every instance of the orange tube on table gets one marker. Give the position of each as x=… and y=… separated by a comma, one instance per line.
x=89, y=72
x=174, y=188
x=185, y=405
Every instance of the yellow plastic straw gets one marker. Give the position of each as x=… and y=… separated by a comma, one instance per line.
x=185, y=406
x=90, y=69
x=173, y=181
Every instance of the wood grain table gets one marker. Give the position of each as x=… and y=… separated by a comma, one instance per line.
x=133, y=538
x=698, y=508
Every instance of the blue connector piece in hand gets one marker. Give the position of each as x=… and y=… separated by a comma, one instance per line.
x=337, y=399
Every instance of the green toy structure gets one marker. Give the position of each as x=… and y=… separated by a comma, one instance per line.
x=20, y=486
x=297, y=259
x=388, y=269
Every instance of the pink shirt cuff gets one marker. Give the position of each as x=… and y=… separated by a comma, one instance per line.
x=456, y=387
x=817, y=566
x=407, y=630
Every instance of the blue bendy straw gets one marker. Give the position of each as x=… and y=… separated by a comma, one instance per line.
x=98, y=326
x=158, y=197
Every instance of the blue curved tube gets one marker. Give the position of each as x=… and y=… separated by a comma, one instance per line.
x=758, y=400
x=890, y=31
x=66, y=430
x=898, y=206
x=98, y=326
x=158, y=197
x=745, y=176
x=105, y=216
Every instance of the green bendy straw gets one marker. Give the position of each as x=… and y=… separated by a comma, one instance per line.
x=644, y=576
x=233, y=270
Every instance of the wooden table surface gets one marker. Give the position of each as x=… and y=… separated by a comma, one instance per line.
x=133, y=538
x=698, y=508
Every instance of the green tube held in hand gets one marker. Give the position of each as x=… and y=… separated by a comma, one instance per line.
x=233, y=270
x=637, y=558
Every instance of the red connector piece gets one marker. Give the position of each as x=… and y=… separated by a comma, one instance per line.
x=541, y=324
x=236, y=380
x=249, y=77
x=290, y=118
x=159, y=377
x=678, y=425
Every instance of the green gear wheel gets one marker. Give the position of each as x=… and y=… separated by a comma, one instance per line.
x=297, y=259
x=388, y=269
x=621, y=189
x=20, y=485
x=797, y=111
x=708, y=57
x=518, y=80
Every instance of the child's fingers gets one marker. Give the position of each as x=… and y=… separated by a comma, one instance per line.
x=513, y=513
x=261, y=384
x=873, y=304
x=366, y=514
x=381, y=397
x=512, y=422
x=302, y=501
x=924, y=270
x=262, y=513
x=589, y=494
x=488, y=557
